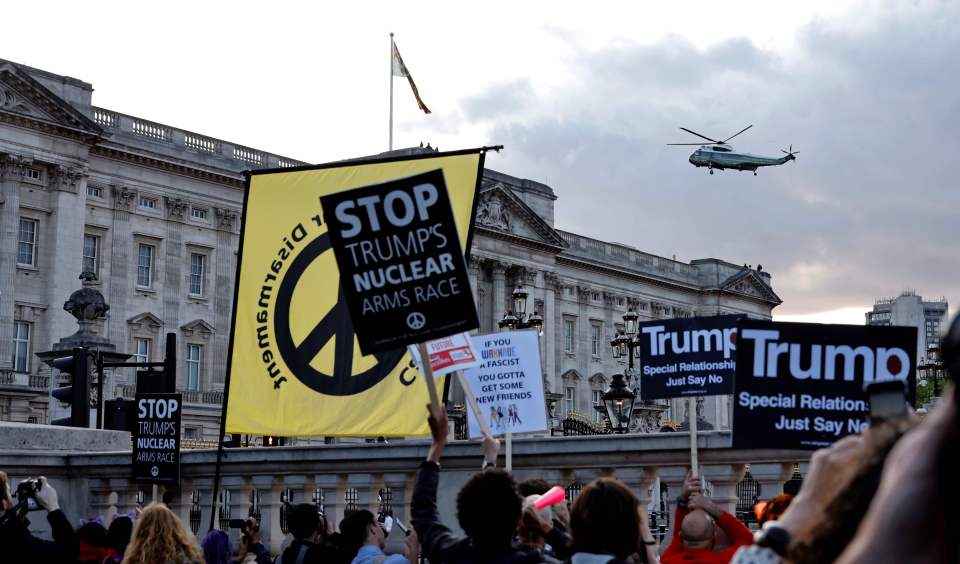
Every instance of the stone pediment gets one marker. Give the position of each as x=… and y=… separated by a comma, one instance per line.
x=145, y=322
x=23, y=98
x=749, y=283
x=198, y=328
x=500, y=210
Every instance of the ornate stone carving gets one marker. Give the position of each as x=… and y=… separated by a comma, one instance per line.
x=492, y=213
x=65, y=179
x=122, y=196
x=198, y=328
x=176, y=207
x=11, y=167
x=145, y=324
x=609, y=298
x=529, y=276
x=499, y=269
x=226, y=217
x=552, y=281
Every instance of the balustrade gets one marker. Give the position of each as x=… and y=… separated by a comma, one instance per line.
x=178, y=139
x=339, y=478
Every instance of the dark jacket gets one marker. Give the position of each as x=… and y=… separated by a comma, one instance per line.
x=438, y=543
x=315, y=554
x=18, y=545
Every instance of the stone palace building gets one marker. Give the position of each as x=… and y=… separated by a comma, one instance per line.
x=154, y=211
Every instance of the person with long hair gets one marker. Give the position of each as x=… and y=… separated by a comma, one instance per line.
x=159, y=538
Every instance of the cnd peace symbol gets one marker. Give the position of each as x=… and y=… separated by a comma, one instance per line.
x=333, y=323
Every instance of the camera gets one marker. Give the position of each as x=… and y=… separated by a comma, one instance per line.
x=26, y=491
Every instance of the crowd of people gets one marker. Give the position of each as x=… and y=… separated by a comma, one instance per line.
x=886, y=495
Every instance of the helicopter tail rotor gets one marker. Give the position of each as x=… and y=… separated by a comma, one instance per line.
x=790, y=153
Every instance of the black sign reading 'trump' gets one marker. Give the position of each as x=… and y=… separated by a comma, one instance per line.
x=801, y=385
x=687, y=357
x=402, y=270
x=156, y=438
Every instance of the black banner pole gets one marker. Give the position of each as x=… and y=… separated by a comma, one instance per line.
x=216, y=471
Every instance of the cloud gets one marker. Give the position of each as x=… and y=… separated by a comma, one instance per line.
x=869, y=99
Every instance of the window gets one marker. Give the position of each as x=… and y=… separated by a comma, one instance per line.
x=194, y=365
x=569, y=399
x=198, y=213
x=569, y=328
x=34, y=175
x=595, y=296
x=91, y=253
x=27, y=243
x=21, y=347
x=145, y=265
x=191, y=433
x=148, y=203
x=94, y=191
x=597, y=402
x=596, y=339
x=141, y=348
x=196, y=274
x=620, y=301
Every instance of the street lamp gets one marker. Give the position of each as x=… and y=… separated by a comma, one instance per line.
x=619, y=399
x=624, y=343
x=517, y=317
x=931, y=369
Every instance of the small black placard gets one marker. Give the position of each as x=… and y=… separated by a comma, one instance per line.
x=801, y=385
x=402, y=270
x=156, y=438
x=687, y=357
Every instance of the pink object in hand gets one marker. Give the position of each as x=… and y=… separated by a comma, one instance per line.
x=554, y=495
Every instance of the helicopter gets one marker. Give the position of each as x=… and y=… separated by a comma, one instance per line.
x=720, y=155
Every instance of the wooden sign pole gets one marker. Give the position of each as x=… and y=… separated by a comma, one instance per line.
x=428, y=377
x=694, y=455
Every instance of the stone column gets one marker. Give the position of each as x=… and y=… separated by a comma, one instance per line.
x=499, y=290
x=121, y=265
x=639, y=479
x=11, y=170
x=328, y=483
x=552, y=329
x=672, y=477
x=270, y=532
x=724, y=479
x=224, y=261
x=174, y=272
x=771, y=477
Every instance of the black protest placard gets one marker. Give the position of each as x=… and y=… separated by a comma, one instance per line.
x=687, y=357
x=801, y=385
x=402, y=270
x=156, y=438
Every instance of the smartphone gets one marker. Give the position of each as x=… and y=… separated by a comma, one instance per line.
x=402, y=527
x=237, y=523
x=888, y=400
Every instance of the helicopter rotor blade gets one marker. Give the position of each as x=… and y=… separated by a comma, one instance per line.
x=737, y=133
x=684, y=143
x=701, y=136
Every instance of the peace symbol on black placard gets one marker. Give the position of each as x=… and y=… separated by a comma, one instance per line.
x=334, y=323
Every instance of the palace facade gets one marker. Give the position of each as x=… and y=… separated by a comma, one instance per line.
x=154, y=211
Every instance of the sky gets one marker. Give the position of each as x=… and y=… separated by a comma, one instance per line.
x=585, y=98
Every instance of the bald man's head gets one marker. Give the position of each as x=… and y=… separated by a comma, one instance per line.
x=698, y=530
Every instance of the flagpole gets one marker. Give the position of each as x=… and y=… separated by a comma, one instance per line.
x=391, y=91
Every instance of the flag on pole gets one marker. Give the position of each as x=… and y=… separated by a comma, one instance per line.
x=400, y=69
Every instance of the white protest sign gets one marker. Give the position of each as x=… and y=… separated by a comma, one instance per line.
x=454, y=352
x=508, y=384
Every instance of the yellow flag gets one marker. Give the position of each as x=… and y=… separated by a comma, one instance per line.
x=295, y=368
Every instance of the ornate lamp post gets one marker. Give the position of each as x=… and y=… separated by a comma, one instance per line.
x=931, y=369
x=624, y=343
x=619, y=399
x=517, y=318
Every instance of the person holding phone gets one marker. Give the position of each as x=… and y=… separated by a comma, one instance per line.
x=251, y=549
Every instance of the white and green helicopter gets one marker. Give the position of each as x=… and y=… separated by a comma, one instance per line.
x=720, y=155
